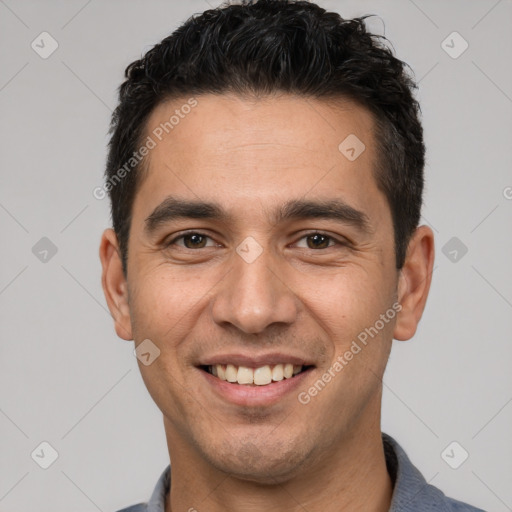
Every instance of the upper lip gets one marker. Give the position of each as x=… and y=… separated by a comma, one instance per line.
x=254, y=361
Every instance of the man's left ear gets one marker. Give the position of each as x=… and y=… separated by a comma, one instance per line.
x=414, y=282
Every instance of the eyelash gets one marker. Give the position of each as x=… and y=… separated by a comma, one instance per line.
x=306, y=235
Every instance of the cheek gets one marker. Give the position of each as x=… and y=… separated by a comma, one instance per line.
x=348, y=302
x=162, y=310
x=163, y=300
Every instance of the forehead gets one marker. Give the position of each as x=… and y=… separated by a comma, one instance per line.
x=236, y=150
x=229, y=121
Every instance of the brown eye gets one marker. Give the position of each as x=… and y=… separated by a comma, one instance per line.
x=194, y=241
x=191, y=240
x=318, y=241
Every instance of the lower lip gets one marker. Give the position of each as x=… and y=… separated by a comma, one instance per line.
x=253, y=396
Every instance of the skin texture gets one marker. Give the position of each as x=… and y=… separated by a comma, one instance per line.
x=198, y=298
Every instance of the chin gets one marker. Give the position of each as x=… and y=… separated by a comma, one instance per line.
x=263, y=463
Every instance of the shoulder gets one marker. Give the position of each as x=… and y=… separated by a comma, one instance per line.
x=157, y=501
x=140, y=507
x=457, y=506
x=437, y=501
x=411, y=491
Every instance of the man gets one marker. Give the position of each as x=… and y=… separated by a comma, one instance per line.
x=266, y=173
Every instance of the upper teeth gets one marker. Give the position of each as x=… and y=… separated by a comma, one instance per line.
x=259, y=376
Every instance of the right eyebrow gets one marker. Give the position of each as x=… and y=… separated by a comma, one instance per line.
x=172, y=208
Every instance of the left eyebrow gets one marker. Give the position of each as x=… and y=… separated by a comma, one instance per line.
x=173, y=208
x=334, y=209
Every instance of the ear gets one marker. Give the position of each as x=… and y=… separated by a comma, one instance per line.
x=114, y=284
x=414, y=282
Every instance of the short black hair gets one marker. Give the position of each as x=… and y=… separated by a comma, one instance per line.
x=264, y=47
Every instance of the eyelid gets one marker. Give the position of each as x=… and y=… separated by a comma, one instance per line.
x=181, y=235
x=172, y=241
x=332, y=238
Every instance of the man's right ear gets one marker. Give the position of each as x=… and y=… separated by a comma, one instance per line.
x=114, y=284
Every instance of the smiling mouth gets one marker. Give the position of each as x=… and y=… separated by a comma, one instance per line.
x=262, y=376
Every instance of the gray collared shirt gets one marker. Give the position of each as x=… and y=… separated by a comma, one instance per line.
x=411, y=492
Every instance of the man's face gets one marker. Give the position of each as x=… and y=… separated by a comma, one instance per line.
x=254, y=288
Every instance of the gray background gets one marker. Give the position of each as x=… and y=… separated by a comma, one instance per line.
x=66, y=379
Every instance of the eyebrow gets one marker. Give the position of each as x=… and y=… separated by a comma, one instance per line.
x=173, y=208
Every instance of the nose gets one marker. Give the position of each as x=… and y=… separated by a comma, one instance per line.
x=255, y=295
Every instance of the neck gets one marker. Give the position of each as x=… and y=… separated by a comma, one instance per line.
x=352, y=476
